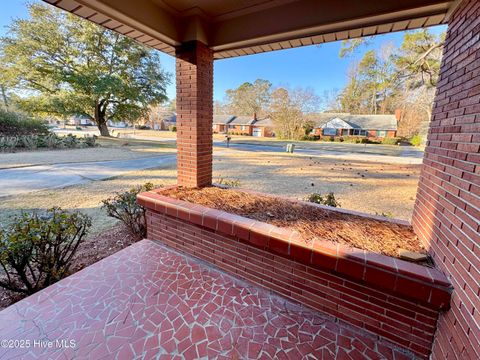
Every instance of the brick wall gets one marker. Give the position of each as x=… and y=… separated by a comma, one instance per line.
x=194, y=73
x=447, y=209
x=393, y=299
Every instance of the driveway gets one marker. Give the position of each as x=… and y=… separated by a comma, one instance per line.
x=33, y=178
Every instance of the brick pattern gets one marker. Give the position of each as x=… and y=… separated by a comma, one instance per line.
x=447, y=209
x=149, y=302
x=194, y=74
x=393, y=299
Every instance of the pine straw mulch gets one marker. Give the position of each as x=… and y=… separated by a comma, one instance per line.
x=310, y=221
x=94, y=249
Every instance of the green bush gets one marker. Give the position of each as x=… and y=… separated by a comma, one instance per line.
x=173, y=128
x=416, y=140
x=391, y=141
x=37, y=250
x=328, y=199
x=124, y=207
x=12, y=124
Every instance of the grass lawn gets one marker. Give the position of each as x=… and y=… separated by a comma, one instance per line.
x=363, y=186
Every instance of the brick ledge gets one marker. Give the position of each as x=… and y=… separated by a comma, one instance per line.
x=426, y=285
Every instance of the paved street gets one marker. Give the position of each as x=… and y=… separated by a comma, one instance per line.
x=33, y=178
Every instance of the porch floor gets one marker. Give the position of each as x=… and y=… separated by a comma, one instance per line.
x=148, y=301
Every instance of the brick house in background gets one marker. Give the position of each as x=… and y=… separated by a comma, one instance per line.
x=344, y=124
x=263, y=128
x=220, y=123
x=242, y=125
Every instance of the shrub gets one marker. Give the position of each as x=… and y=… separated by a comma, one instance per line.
x=124, y=207
x=173, y=128
x=71, y=141
x=90, y=141
x=228, y=183
x=12, y=124
x=52, y=141
x=37, y=250
x=416, y=140
x=387, y=215
x=9, y=142
x=30, y=142
x=328, y=199
x=391, y=141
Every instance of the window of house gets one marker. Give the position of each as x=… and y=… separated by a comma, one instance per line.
x=244, y=127
x=359, y=132
x=329, y=131
x=381, y=133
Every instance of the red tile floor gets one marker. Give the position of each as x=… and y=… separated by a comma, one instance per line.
x=147, y=301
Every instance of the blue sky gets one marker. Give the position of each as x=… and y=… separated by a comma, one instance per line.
x=317, y=67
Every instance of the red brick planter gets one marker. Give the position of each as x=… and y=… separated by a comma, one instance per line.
x=392, y=298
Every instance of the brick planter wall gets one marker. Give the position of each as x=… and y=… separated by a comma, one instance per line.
x=447, y=209
x=396, y=300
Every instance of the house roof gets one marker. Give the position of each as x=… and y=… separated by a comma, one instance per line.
x=267, y=122
x=366, y=122
x=242, y=120
x=222, y=119
x=236, y=28
x=373, y=122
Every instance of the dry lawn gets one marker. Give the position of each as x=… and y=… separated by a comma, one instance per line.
x=368, y=187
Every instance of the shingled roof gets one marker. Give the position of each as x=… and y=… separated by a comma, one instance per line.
x=222, y=119
x=366, y=122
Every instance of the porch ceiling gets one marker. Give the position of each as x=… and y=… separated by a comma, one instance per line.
x=242, y=27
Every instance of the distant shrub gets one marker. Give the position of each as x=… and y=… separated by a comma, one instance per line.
x=328, y=199
x=173, y=128
x=13, y=124
x=391, y=141
x=29, y=142
x=228, y=182
x=387, y=215
x=37, y=249
x=311, y=137
x=124, y=207
x=416, y=140
x=90, y=141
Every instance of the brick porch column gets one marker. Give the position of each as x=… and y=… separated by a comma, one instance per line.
x=447, y=209
x=194, y=72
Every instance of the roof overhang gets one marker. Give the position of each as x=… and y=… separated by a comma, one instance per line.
x=235, y=28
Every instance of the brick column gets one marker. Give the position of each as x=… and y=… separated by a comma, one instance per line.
x=194, y=114
x=447, y=209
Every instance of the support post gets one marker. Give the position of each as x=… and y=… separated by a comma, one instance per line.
x=194, y=72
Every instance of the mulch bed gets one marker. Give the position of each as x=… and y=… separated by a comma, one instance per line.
x=89, y=252
x=310, y=221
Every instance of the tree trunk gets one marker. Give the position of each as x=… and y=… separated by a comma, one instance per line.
x=100, y=119
x=4, y=95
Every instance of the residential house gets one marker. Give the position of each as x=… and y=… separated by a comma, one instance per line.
x=243, y=125
x=343, y=124
x=80, y=120
x=263, y=128
x=161, y=119
x=220, y=122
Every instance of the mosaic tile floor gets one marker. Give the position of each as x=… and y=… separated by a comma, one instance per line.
x=147, y=302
